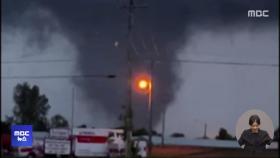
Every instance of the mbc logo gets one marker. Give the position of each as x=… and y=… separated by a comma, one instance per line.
x=21, y=135
x=258, y=13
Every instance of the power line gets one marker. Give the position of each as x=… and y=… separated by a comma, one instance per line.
x=161, y=61
x=58, y=76
x=219, y=62
x=211, y=62
x=36, y=61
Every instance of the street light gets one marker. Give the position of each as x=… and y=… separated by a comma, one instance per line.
x=144, y=85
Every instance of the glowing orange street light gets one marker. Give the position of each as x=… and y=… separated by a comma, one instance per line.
x=144, y=84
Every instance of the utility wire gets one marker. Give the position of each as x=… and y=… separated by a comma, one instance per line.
x=218, y=62
x=36, y=61
x=58, y=76
x=160, y=61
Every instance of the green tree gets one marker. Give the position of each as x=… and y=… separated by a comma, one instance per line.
x=58, y=121
x=31, y=107
x=224, y=135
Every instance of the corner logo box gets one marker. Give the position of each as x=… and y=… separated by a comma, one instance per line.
x=21, y=135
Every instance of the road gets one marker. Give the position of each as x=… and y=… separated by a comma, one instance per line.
x=203, y=152
x=175, y=151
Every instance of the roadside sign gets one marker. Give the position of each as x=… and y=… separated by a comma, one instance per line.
x=59, y=133
x=57, y=147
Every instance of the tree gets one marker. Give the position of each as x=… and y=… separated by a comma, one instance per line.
x=9, y=120
x=155, y=133
x=58, y=121
x=82, y=126
x=224, y=135
x=143, y=132
x=177, y=135
x=140, y=132
x=31, y=107
x=5, y=136
x=120, y=127
x=5, y=127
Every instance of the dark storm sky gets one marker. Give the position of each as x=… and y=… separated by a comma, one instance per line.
x=93, y=28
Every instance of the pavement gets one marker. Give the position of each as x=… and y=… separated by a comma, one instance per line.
x=203, y=152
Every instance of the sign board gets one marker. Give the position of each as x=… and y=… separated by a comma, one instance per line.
x=57, y=147
x=89, y=142
x=59, y=133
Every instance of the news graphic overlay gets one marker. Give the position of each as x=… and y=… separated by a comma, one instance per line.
x=256, y=127
x=21, y=135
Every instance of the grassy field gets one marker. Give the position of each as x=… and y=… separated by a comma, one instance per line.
x=202, y=152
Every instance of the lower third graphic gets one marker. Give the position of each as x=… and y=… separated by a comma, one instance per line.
x=21, y=135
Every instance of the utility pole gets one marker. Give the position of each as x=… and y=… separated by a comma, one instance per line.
x=73, y=105
x=152, y=63
x=205, y=131
x=163, y=128
x=128, y=118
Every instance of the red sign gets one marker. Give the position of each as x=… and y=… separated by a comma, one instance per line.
x=91, y=139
